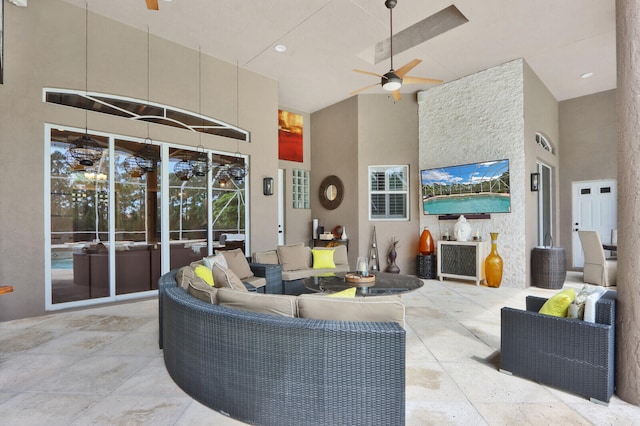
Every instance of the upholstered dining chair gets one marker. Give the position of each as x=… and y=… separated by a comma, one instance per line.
x=597, y=268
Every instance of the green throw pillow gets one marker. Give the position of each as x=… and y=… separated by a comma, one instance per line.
x=323, y=259
x=204, y=273
x=558, y=305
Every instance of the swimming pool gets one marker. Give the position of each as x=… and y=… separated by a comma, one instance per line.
x=476, y=203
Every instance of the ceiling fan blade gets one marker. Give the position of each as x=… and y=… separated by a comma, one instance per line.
x=402, y=71
x=420, y=80
x=368, y=73
x=364, y=88
x=152, y=4
x=396, y=95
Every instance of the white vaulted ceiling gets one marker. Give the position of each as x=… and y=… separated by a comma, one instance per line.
x=327, y=39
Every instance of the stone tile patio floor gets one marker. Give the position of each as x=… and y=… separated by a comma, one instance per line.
x=102, y=366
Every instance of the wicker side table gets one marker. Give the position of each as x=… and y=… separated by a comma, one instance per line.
x=548, y=267
x=426, y=266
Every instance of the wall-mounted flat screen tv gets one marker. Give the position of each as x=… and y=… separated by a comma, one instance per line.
x=475, y=188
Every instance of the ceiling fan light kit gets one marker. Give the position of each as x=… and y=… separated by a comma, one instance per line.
x=392, y=80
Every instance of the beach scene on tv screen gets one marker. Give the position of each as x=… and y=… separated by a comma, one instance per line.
x=467, y=189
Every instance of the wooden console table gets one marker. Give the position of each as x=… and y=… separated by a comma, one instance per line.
x=462, y=259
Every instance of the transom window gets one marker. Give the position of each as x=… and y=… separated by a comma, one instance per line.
x=544, y=142
x=136, y=109
x=389, y=192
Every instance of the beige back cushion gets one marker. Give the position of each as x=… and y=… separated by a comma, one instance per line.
x=203, y=291
x=187, y=275
x=294, y=257
x=267, y=257
x=282, y=305
x=237, y=262
x=184, y=276
x=376, y=309
x=226, y=278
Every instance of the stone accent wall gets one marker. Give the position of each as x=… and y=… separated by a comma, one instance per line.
x=481, y=118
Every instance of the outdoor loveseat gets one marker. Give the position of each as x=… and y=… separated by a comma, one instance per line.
x=273, y=370
x=570, y=354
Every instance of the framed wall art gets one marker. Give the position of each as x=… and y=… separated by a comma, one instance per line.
x=290, y=136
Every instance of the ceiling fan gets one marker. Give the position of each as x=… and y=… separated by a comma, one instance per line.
x=152, y=4
x=393, y=80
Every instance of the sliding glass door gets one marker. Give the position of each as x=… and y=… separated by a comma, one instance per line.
x=104, y=219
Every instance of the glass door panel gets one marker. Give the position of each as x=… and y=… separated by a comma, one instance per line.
x=79, y=220
x=187, y=210
x=136, y=210
x=228, y=203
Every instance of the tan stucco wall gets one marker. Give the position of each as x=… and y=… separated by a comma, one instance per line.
x=540, y=115
x=297, y=221
x=348, y=137
x=388, y=136
x=334, y=131
x=588, y=128
x=44, y=47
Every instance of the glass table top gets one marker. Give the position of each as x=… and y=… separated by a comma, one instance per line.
x=385, y=283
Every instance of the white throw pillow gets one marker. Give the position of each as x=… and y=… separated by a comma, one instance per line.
x=590, y=304
x=209, y=261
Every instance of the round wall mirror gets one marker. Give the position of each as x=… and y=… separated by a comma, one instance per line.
x=331, y=192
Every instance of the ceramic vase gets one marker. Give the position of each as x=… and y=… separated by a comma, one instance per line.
x=426, y=242
x=493, y=264
x=344, y=233
x=392, y=267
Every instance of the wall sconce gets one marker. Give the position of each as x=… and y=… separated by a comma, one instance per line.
x=267, y=186
x=535, y=181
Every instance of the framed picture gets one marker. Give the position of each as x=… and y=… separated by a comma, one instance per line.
x=290, y=136
x=535, y=181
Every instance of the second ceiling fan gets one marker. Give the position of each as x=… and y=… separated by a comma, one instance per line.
x=392, y=81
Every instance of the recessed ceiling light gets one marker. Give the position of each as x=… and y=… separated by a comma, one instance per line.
x=587, y=75
x=280, y=48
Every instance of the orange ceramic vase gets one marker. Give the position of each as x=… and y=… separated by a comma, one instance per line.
x=493, y=263
x=426, y=242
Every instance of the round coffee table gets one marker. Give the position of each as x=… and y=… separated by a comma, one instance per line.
x=385, y=284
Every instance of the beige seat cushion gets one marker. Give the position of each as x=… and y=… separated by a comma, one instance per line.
x=266, y=257
x=280, y=304
x=376, y=309
x=226, y=278
x=204, y=292
x=237, y=262
x=294, y=257
x=257, y=282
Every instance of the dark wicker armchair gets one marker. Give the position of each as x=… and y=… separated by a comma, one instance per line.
x=568, y=354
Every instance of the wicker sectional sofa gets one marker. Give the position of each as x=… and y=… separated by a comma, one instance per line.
x=274, y=370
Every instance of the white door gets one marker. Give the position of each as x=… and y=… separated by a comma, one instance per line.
x=281, y=199
x=594, y=209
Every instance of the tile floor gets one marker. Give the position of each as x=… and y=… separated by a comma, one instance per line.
x=102, y=366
